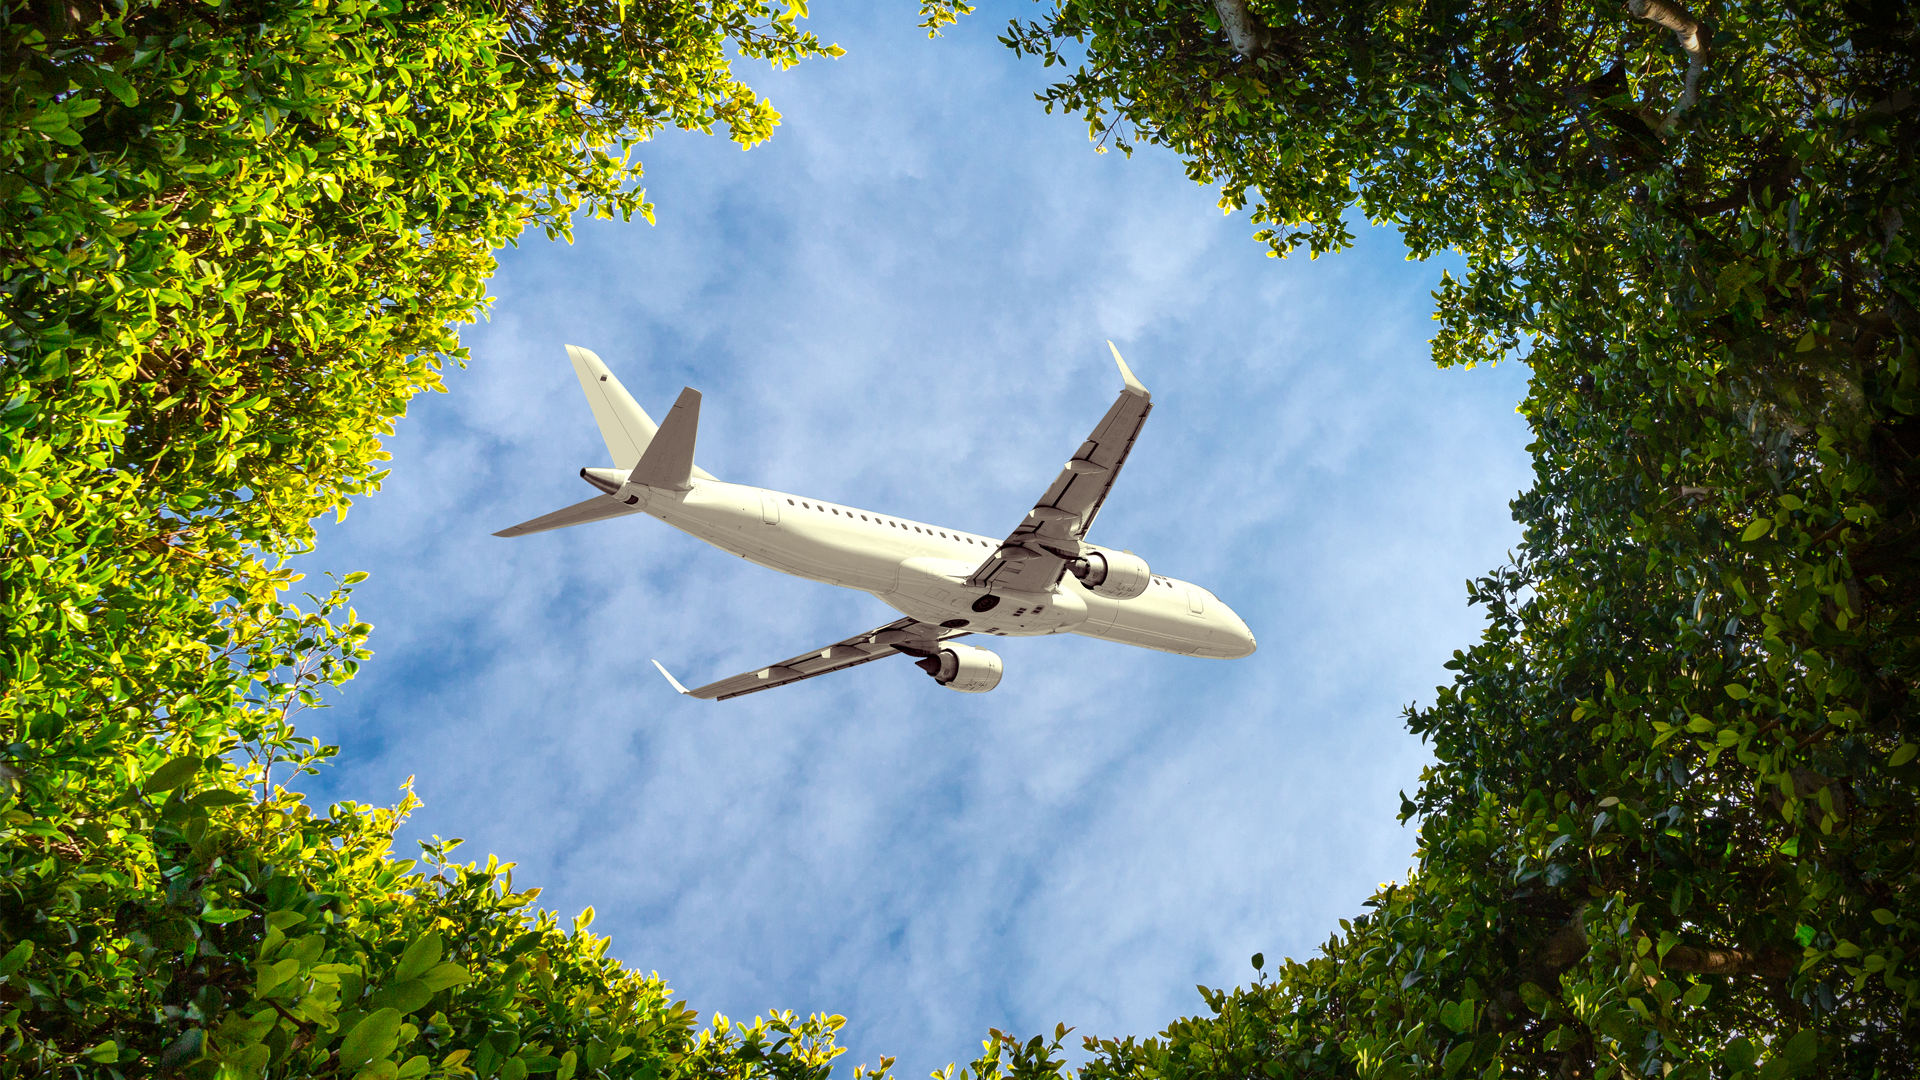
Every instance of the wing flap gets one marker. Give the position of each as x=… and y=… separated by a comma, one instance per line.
x=1035, y=554
x=901, y=635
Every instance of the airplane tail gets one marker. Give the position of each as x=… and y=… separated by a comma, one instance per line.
x=625, y=426
x=643, y=452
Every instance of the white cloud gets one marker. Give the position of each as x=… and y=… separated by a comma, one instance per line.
x=901, y=302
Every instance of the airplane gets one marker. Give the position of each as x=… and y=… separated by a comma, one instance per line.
x=1042, y=578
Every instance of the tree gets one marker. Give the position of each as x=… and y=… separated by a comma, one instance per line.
x=1670, y=828
x=238, y=237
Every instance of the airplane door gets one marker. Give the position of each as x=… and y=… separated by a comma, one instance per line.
x=769, y=508
x=1196, y=600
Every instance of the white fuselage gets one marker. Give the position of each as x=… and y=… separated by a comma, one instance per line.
x=920, y=570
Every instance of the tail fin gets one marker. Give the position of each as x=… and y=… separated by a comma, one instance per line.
x=625, y=426
x=668, y=462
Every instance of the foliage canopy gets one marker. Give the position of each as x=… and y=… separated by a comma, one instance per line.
x=1670, y=829
x=238, y=236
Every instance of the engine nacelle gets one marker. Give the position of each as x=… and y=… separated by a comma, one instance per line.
x=607, y=480
x=964, y=668
x=1115, y=575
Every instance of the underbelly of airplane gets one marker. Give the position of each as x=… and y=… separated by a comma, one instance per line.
x=1016, y=615
x=934, y=590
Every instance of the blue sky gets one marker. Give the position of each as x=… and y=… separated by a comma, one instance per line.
x=902, y=303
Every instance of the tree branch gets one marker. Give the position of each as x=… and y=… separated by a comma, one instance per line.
x=1569, y=943
x=1244, y=31
x=1766, y=963
x=1686, y=32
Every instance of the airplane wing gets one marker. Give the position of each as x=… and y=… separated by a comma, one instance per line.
x=1033, y=557
x=908, y=635
x=594, y=509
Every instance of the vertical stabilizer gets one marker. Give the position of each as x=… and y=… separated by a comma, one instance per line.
x=623, y=423
x=625, y=426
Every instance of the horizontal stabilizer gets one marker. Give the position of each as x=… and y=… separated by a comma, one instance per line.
x=668, y=460
x=595, y=509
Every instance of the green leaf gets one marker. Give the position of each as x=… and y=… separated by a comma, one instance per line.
x=15, y=957
x=1902, y=755
x=405, y=997
x=105, y=1053
x=1758, y=528
x=182, y=1050
x=117, y=85
x=173, y=774
x=373, y=1037
x=422, y=954
x=273, y=974
x=1883, y=916
x=1802, y=1049
x=1736, y=692
x=281, y=920
x=1696, y=995
x=441, y=976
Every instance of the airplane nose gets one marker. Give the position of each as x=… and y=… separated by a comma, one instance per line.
x=1236, y=637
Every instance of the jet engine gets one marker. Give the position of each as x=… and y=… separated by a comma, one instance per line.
x=963, y=667
x=1116, y=575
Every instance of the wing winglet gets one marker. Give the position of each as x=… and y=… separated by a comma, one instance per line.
x=1133, y=384
x=670, y=678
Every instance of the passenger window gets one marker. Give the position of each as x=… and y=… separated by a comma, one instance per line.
x=789, y=502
